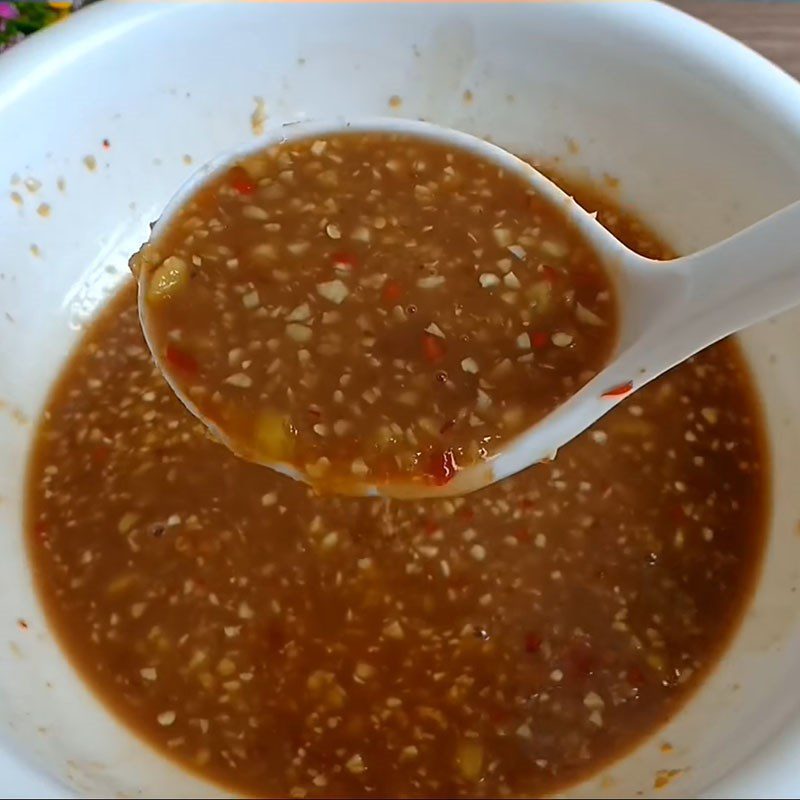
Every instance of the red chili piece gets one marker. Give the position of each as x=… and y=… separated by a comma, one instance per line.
x=344, y=261
x=619, y=391
x=540, y=340
x=499, y=716
x=101, y=454
x=636, y=677
x=241, y=181
x=532, y=643
x=582, y=660
x=550, y=274
x=275, y=637
x=392, y=292
x=442, y=467
x=432, y=348
x=180, y=360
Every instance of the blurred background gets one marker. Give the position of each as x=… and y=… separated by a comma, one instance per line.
x=771, y=27
x=18, y=20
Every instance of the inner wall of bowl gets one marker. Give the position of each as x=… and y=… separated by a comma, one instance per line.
x=608, y=88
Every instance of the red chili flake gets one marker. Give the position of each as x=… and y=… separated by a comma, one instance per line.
x=431, y=526
x=499, y=716
x=276, y=638
x=180, y=360
x=106, y=144
x=522, y=536
x=619, y=391
x=540, y=340
x=432, y=349
x=241, y=181
x=23, y=626
x=635, y=677
x=550, y=274
x=582, y=660
x=344, y=261
x=532, y=643
x=41, y=533
x=467, y=513
x=678, y=514
x=442, y=467
x=392, y=292
x=101, y=454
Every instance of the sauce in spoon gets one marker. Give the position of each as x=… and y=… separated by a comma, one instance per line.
x=407, y=310
x=373, y=309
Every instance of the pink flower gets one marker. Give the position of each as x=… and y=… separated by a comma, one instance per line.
x=8, y=11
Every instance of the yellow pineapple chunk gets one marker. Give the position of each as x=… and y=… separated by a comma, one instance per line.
x=274, y=436
x=169, y=279
x=469, y=757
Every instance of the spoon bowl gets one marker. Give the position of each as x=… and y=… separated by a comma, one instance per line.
x=668, y=310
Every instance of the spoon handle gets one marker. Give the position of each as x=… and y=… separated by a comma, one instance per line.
x=684, y=305
x=745, y=279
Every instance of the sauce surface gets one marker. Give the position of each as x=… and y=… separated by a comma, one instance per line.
x=507, y=642
x=372, y=306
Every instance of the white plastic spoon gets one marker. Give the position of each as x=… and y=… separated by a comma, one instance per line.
x=669, y=310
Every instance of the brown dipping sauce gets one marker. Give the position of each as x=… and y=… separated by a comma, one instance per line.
x=377, y=308
x=507, y=642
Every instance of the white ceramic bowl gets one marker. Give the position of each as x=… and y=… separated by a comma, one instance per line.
x=704, y=135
